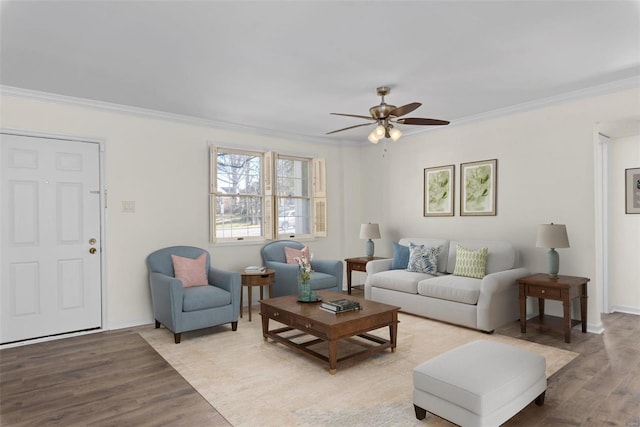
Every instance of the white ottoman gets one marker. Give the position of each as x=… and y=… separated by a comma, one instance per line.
x=483, y=383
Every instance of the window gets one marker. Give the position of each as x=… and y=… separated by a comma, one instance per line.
x=237, y=195
x=293, y=195
x=258, y=196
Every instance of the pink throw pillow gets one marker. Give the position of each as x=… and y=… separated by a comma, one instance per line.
x=192, y=272
x=291, y=254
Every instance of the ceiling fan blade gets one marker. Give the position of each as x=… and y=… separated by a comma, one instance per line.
x=353, y=115
x=350, y=127
x=423, y=122
x=405, y=109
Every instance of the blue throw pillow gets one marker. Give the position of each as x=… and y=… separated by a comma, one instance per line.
x=400, y=257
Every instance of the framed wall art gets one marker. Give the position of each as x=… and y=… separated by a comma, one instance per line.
x=478, y=185
x=632, y=190
x=438, y=191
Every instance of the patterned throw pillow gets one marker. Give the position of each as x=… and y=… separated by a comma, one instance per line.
x=192, y=272
x=470, y=263
x=423, y=259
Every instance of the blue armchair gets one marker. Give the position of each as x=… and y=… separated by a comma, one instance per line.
x=182, y=309
x=327, y=274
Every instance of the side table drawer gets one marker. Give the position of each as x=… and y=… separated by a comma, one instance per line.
x=542, y=292
x=358, y=267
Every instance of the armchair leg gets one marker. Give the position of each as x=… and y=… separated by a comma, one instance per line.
x=234, y=326
x=157, y=324
x=176, y=338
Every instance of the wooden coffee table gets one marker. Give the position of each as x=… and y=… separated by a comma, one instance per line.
x=329, y=327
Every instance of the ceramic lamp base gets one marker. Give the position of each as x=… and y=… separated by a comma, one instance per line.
x=553, y=259
x=370, y=248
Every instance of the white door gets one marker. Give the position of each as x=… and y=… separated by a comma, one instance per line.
x=50, y=230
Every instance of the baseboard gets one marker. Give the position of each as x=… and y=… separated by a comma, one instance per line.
x=129, y=324
x=624, y=309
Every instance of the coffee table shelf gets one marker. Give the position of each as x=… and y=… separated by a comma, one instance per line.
x=329, y=327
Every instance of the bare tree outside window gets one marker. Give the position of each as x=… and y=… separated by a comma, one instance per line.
x=239, y=194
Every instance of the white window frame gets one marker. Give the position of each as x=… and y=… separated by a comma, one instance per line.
x=268, y=164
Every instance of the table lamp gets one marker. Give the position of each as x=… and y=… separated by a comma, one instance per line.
x=369, y=231
x=552, y=236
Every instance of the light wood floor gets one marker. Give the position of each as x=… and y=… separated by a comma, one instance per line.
x=116, y=378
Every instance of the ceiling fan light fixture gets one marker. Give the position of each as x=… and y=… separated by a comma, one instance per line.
x=395, y=134
x=373, y=138
x=380, y=131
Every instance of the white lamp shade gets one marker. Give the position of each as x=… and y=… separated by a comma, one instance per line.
x=380, y=131
x=395, y=134
x=552, y=236
x=369, y=231
x=373, y=138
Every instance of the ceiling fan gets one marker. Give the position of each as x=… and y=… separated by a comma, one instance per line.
x=385, y=115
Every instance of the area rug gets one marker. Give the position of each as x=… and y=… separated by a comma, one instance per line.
x=253, y=382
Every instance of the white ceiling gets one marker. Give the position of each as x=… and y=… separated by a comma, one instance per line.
x=284, y=66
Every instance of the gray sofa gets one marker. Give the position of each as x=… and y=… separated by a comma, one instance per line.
x=482, y=304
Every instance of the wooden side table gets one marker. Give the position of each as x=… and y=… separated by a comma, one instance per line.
x=561, y=288
x=357, y=264
x=267, y=278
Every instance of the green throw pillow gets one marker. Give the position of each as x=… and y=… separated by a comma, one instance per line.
x=470, y=263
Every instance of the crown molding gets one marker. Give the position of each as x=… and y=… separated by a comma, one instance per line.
x=148, y=113
x=619, y=85
x=616, y=86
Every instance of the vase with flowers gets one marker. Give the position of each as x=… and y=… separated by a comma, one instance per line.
x=304, y=276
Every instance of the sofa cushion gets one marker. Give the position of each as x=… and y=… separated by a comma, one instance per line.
x=470, y=263
x=434, y=243
x=203, y=297
x=502, y=255
x=453, y=288
x=398, y=280
x=423, y=259
x=400, y=257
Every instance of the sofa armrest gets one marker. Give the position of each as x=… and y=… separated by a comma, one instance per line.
x=378, y=265
x=230, y=281
x=500, y=281
x=166, y=296
x=498, y=301
x=373, y=267
x=327, y=266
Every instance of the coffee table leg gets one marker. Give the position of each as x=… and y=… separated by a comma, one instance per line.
x=393, y=333
x=333, y=356
x=265, y=326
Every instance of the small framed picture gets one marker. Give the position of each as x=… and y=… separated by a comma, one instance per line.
x=632, y=198
x=438, y=191
x=478, y=186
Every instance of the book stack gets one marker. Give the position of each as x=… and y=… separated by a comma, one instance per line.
x=340, y=305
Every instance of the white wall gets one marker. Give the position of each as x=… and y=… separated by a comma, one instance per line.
x=545, y=174
x=624, y=229
x=162, y=165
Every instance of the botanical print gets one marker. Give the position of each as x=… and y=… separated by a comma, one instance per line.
x=438, y=185
x=478, y=188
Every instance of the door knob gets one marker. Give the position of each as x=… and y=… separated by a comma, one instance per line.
x=92, y=250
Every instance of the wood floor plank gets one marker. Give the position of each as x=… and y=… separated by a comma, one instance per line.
x=104, y=379
x=116, y=378
x=599, y=387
